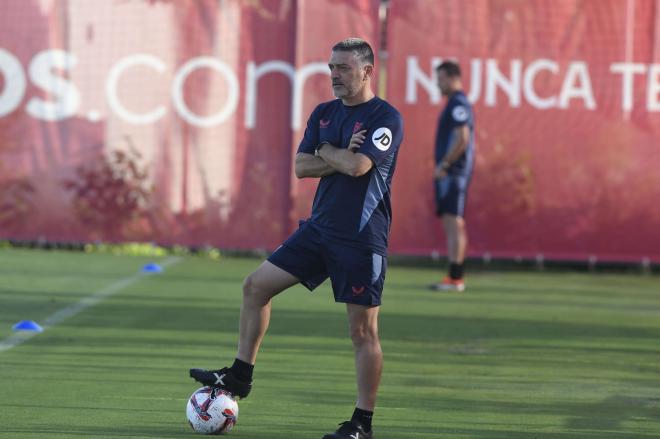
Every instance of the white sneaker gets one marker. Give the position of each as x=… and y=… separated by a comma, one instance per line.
x=449, y=284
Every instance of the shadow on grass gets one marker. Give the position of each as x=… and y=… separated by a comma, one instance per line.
x=211, y=317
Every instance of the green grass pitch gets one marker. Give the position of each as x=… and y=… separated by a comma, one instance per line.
x=518, y=356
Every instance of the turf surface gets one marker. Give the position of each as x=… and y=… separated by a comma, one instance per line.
x=519, y=355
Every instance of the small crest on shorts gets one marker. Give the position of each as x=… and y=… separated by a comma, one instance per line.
x=357, y=290
x=324, y=123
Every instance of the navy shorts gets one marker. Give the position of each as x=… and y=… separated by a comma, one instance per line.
x=451, y=195
x=357, y=274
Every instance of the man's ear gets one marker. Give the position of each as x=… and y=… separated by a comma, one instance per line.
x=368, y=71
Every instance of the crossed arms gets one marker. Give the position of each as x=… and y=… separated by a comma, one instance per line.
x=331, y=159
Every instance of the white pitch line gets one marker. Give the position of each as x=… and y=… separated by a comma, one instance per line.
x=59, y=316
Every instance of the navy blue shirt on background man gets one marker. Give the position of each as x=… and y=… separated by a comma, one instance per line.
x=457, y=113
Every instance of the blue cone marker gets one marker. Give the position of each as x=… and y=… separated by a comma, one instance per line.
x=27, y=325
x=152, y=268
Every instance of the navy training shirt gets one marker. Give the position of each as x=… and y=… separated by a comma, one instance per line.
x=457, y=112
x=356, y=210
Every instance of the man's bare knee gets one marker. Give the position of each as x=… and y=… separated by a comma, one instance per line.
x=254, y=292
x=363, y=335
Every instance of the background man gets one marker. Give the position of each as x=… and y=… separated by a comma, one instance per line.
x=351, y=144
x=454, y=159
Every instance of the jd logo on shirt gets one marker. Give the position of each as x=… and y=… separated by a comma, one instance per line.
x=382, y=138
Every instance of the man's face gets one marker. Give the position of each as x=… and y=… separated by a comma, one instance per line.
x=348, y=76
x=444, y=83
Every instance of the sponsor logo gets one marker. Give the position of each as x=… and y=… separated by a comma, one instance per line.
x=218, y=378
x=382, y=138
x=460, y=113
x=324, y=123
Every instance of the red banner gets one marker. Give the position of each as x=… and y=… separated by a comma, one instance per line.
x=176, y=122
x=161, y=120
x=567, y=102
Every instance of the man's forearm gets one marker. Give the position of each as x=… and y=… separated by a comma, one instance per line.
x=345, y=161
x=310, y=166
x=455, y=151
x=458, y=147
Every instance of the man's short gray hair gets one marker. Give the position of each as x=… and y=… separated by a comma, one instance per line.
x=360, y=47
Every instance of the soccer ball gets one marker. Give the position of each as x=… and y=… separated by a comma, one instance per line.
x=211, y=411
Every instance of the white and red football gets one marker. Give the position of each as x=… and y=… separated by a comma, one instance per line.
x=212, y=411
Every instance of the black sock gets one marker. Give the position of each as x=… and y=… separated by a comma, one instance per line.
x=363, y=418
x=456, y=270
x=242, y=370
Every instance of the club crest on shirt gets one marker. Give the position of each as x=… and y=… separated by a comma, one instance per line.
x=324, y=123
x=459, y=113
x=382, y=138
x=357, y=127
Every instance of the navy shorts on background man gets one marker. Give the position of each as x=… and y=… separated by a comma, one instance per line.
x=451, y=195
